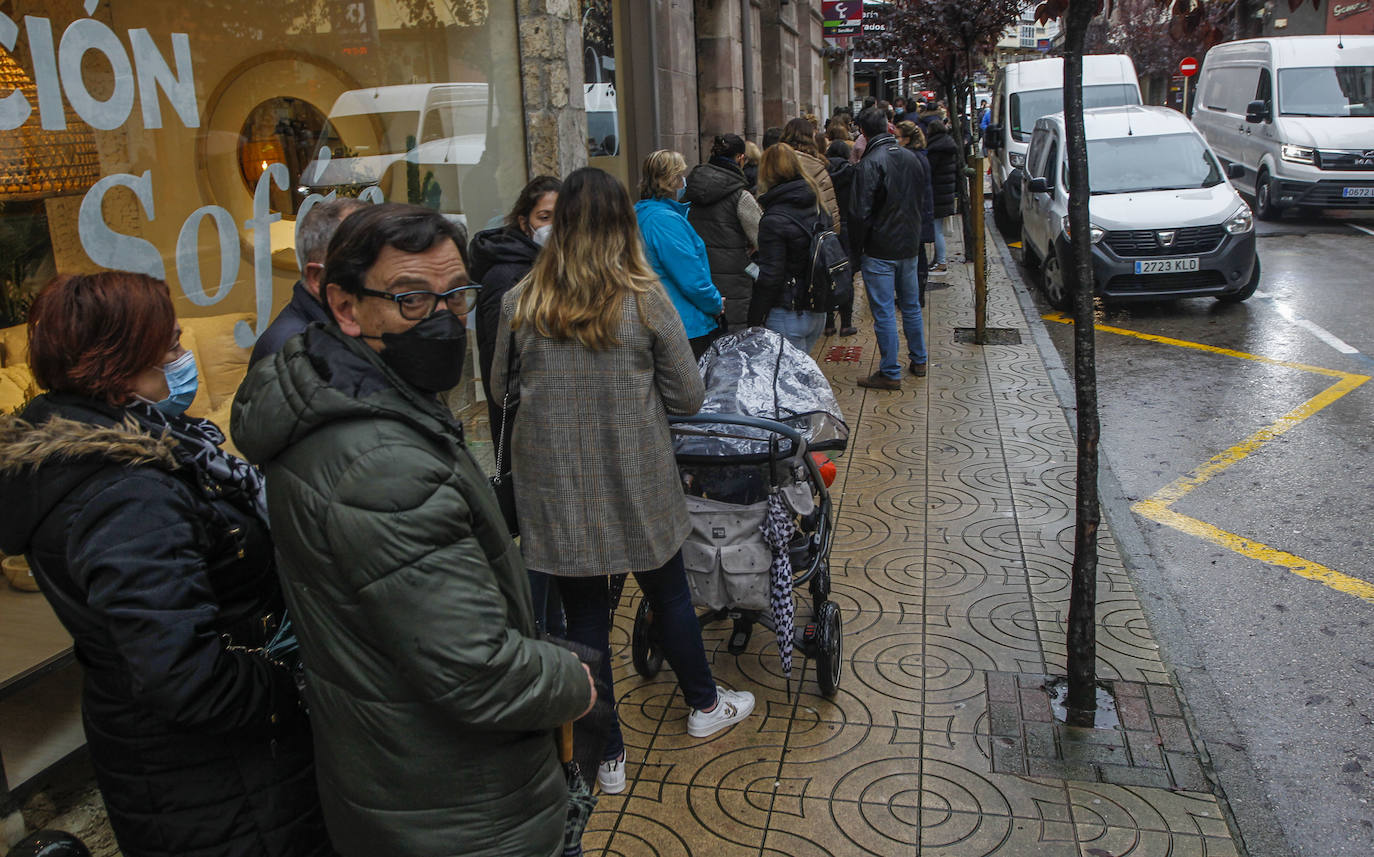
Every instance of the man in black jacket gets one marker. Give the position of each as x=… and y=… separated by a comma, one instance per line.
x=304, y=308
x=885, y=219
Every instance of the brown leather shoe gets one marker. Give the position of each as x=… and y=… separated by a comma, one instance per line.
x=918, y=369
x=879, y=381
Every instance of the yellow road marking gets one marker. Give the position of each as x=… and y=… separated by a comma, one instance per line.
x=1158, y=507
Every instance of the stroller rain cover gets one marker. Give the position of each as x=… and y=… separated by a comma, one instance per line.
x=757, y=373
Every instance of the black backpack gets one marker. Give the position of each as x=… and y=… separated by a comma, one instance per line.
x=830, y=280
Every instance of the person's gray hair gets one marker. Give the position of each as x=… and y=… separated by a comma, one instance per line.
x=312, y=237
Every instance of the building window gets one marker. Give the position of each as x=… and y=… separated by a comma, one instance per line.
x=1027, y=35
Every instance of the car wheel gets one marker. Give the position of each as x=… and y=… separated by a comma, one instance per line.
x=1246, y=292
x=1052, y=284
x=1265, y=209
x=1027, y=254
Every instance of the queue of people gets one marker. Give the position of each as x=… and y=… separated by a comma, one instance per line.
x=418, y=709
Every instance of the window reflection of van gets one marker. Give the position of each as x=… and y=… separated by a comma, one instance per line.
x=1024, y=92
x=603, y=129
x=1297, y=112
x=373, y=135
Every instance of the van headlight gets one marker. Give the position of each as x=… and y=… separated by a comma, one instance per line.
x=1017, y=159
x=1241, y=221
x=1095, y=233
x=1298, y=154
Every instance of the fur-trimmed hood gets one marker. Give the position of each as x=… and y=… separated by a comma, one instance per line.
x=56, y=444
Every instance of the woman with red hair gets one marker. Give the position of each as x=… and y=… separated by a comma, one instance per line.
x=151, y=544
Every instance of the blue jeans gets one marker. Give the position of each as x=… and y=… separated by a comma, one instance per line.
x=586, y=601
x=802, y=329
x=890, y=282
x=939, y=241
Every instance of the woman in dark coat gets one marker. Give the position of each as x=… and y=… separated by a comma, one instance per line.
x=501, y=258
x=943, y=154
x=791, y=207
x=910, y=135
x=151, y=544
x=842, y=177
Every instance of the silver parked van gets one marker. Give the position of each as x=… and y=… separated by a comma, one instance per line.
x=1297, y=112
x=1025, y=91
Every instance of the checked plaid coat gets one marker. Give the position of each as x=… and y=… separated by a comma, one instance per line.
x=596, y=485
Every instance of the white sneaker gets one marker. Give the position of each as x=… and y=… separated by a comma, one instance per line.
x=611, y=775
x=732, y=706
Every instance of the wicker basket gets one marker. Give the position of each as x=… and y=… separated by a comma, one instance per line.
x=18, y=574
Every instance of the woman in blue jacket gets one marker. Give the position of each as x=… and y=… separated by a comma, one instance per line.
x=675, y=251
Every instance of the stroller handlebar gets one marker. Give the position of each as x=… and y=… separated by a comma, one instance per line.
x=740, y=420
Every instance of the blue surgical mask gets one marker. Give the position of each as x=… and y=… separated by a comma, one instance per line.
x=182, y=384
x=680, y=192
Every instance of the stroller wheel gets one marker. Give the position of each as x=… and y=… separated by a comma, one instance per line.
x=644, y=650
x=829, y=648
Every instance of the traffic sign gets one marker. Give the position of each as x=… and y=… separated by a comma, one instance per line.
x=1187, y=67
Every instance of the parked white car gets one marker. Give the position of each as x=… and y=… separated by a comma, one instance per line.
x=1297, y=112
x=1025, y=91
x=1166, y=220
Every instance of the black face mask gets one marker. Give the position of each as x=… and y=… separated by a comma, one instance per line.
x=429, y=356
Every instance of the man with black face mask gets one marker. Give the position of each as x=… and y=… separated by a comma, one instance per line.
x=433, y=700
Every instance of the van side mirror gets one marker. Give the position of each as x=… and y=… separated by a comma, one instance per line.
x=1235, y=171
x=1040, y=185
x=1257, y=112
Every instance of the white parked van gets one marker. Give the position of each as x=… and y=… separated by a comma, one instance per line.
x=1025, y=91
x=1165, y=221
x=1297, y=112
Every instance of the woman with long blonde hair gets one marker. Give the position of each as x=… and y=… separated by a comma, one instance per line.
x=791, y=210
x=599, y=358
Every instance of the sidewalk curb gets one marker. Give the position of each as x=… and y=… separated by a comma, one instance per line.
x=1250, y=814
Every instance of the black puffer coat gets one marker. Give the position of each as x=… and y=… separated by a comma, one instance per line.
x=789, y=210
x=499, y=258
x=943, y=154
x=200, y=745
x=713, y=191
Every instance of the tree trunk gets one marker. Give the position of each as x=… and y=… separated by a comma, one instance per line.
x=1082, y=636
x=952, y=88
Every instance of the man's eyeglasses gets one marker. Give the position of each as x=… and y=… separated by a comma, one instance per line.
x=418, y=305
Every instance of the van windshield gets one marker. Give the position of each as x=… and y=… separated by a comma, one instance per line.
x=1163, y=162
x=1329, y=91
x=1026, y=107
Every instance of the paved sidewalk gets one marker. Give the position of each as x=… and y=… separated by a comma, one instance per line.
x=951, y=567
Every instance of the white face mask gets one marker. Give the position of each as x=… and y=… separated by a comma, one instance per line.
x=541, y=235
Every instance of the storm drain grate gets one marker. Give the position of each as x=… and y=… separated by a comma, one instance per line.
x=844, y=354
x=995, y=335
x=1151, y=745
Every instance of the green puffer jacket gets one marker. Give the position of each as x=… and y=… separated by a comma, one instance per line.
x=433, y=704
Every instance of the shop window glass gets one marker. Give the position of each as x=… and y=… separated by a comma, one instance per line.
x=194, y=134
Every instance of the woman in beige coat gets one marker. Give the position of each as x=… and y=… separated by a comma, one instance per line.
x=599, y=358
x=800, y=134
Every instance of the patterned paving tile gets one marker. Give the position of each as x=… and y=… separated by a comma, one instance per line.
x=679, y=821
x=819, y=828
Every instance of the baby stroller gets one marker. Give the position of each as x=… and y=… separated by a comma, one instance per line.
x=760, y=509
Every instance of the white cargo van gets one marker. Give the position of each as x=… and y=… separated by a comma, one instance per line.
x=1297, y=112
x=1025, y=91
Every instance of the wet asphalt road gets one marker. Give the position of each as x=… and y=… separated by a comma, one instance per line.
x=1291, y=659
